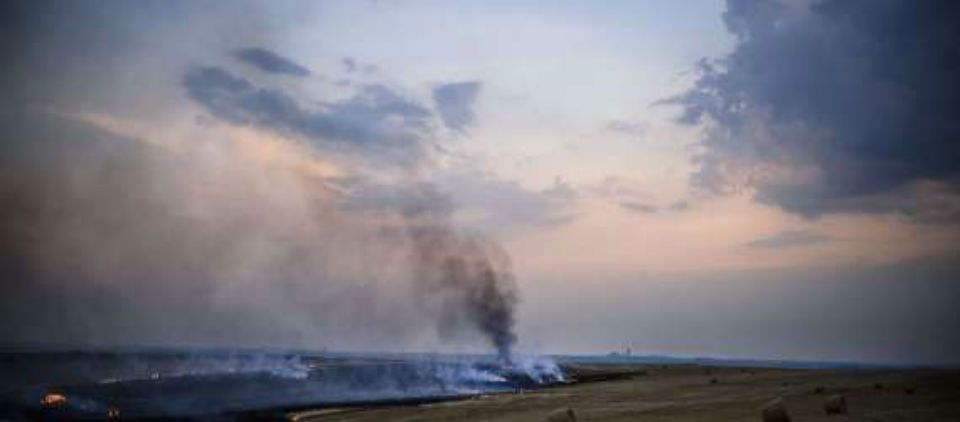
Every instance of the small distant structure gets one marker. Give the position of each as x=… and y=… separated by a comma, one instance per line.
x=835, y=405
x=625, y=352
x=775, y=411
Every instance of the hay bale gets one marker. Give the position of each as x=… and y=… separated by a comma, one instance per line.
x=714, y=381
x=819, y=390
x=775, y=411
x=878, y=386
x=835, y=405
x=562, y=415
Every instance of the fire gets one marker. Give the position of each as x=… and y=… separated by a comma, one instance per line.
x=52, y=400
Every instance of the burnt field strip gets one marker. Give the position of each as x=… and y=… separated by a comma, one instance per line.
x=354, y=388
x=97, y=386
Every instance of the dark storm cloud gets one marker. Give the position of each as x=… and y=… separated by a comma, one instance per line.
x=839, y=106
x=270, y=62
x=455, y=103
x=375, y=121
x=789, y=239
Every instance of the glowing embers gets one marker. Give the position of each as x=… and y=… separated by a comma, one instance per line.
x=53, y=401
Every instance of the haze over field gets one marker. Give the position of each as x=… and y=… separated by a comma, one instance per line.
x=767, y=179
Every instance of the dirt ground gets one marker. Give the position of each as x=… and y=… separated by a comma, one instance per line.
x=691, y=393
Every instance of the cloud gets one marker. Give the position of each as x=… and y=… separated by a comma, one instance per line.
x=835, y=106
x=561, y=191
x=789, y=239
x=375, y=121
x=619, y=189
x=627, y=127
x=270, y=62
x=679, y=205
x=349, y=64
x=631, y=195
x=645, y=208
x=639, y=207
x=413, y=199
x=489, y=203
x=455, y=101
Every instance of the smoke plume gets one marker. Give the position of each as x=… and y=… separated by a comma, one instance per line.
x=474, y=275
x=113, y=241
x=168, y=189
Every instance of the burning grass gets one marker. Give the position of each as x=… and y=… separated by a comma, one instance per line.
x=161, y=389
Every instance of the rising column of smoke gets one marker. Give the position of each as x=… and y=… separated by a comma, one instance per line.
x=475, y=273
x=103, y=244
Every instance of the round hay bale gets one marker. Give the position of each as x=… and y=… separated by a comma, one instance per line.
x=562, y=415
x=775, y=411
x=835, y=405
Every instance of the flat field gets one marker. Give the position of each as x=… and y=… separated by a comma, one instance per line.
x=688, y=393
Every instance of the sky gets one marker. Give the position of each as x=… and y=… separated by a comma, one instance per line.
x=764, y=179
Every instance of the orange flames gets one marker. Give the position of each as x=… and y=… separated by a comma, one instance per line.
x=52, y=400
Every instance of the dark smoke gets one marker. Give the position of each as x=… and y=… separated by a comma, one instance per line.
x=217, y=205
x=475, y=275
x=113, y=235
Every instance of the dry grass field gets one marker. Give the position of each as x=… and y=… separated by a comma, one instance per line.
x=687, y=393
